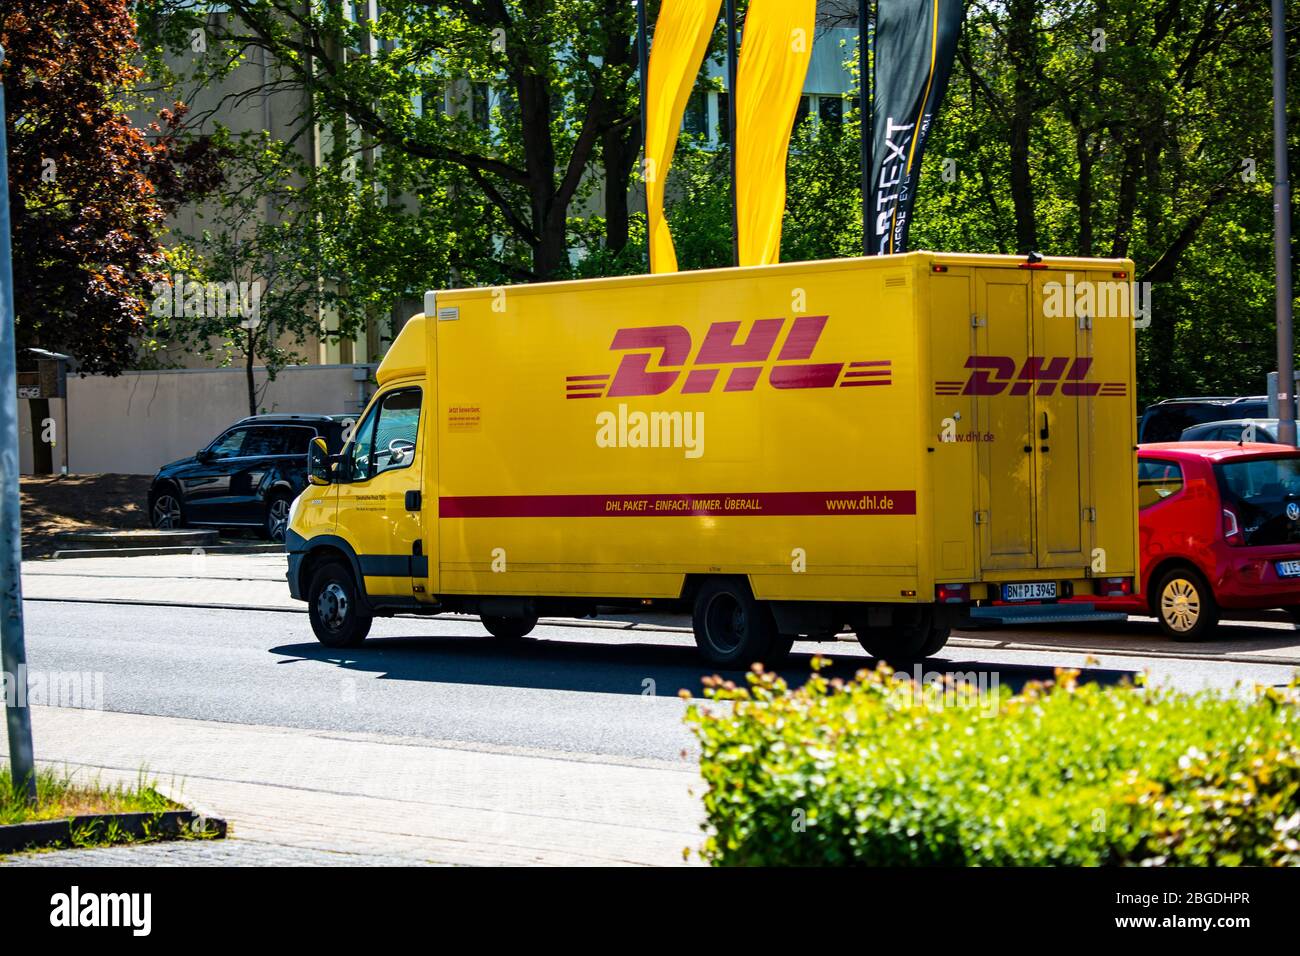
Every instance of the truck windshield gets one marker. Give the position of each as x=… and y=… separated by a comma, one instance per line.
x=1265, y=494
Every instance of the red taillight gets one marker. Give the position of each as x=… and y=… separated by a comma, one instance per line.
x=1116, y=587
x=952, y=593
x=1231, y=528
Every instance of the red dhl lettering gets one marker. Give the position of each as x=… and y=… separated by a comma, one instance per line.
x=663, y=357
x=1043, y=375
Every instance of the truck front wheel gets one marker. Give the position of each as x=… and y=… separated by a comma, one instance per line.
x=732, y=629
x=920, y=634
x=335, y=608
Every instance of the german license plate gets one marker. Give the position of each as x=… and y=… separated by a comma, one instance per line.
x=1288, y=569
x=1034, y=591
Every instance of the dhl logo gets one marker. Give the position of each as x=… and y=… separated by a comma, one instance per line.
x=659, y=357
x=995, y=374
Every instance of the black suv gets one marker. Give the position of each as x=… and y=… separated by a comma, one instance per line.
x=247, y=477
x=1165, y=421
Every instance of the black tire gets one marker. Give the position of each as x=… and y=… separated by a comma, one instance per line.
x=276, y=520
x=1183, y=602
x=732, y=629
x=917, y=636
x=508, y=628
x=166, y=509
x=335, y=607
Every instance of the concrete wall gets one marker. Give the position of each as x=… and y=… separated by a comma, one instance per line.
x=137, y=421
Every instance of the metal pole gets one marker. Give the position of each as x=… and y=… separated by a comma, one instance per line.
x=868, y=121
x=1286, y=430
x=643, y=66
x=732, y=60
x=18, y=718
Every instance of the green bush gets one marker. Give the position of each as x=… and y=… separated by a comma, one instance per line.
x=878, y=772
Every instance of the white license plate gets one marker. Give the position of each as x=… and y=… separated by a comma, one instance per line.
x=1035, y=591
x=1288, y=569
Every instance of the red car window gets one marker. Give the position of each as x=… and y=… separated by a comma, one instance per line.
x=1158, y=480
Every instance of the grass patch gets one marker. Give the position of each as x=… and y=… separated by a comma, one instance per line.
x=60, y=796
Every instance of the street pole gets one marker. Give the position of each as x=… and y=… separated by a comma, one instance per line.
x=1286, y=431
x=732, y=60
x=13, y=660
x=868, y=121
x=643, y=69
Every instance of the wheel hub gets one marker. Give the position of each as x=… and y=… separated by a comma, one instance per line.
x=332, y=605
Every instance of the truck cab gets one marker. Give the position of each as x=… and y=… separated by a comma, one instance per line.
x=355, y=538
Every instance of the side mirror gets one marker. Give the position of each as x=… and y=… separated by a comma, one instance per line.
x=203, y=455
x=318, y=462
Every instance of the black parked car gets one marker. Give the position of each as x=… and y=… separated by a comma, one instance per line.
x=247, y=477
x=1165, y=421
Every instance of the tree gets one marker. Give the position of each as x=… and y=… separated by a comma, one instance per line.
x=561, y=73
x=250, y=284
x=89, y=191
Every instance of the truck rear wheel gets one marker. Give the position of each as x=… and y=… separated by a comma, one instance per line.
x=335, y=608
x=508, y=628
x=919, y=636
x=732, y=629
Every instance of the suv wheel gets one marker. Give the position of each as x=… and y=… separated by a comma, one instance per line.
x=335, y=608
x=277, y=516
x=166, y=511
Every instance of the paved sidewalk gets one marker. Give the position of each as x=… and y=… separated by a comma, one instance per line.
x=370, y=798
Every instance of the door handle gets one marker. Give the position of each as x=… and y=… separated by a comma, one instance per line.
x=412, y=501
x=1044, y=433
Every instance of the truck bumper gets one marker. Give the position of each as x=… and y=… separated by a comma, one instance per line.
x=295, y=546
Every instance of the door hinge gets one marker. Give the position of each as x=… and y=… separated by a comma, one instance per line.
x=412, y=501
x=977, y=322
x=981, y=517
x=1089, y=514
x=1085, y=321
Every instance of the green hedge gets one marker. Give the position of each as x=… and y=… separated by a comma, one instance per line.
x=876, y=772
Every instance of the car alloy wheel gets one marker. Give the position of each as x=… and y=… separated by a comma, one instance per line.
x=277, y=519
x=166, y=512
x=1180, y=604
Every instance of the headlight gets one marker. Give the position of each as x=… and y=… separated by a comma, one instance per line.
x=293, y=510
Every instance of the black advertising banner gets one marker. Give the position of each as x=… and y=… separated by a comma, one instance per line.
x=915, y=44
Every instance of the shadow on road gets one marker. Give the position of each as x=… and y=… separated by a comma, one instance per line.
x=626, y=667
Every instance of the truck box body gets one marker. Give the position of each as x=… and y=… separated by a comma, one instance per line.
x=852, y=431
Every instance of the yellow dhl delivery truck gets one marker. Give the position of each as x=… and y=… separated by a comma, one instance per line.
x=785, y=452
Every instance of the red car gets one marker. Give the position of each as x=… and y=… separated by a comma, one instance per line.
x=1220, y=528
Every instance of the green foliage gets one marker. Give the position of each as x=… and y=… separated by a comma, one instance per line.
x=61, y=794
x=873, y=772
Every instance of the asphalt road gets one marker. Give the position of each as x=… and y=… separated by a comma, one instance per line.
x=569, y=689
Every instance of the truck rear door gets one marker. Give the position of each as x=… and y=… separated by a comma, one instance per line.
x=1029, y=380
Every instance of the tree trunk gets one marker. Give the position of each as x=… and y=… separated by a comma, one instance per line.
x=250, y=350
x=1020, y=45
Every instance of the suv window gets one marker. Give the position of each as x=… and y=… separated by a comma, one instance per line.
x=230, y=444
x=278, y=440
x=1158, y=480
x=385, y=438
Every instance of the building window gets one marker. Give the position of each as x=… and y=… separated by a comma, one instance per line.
x=696, y=120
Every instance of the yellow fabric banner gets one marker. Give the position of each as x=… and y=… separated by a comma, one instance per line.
x=774, y=54
x=681, y=37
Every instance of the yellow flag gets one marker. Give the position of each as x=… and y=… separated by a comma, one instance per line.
x=774, y=54
x=681, y=37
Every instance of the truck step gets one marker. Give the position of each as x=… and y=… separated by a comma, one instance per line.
x=1008, y=615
